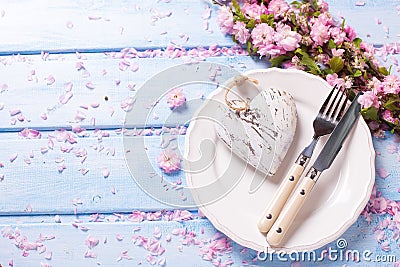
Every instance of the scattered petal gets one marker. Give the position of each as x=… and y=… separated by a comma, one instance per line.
x=13, y=157
x=383, y=173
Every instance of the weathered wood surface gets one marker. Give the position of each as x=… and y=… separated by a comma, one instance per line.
x=29, y=191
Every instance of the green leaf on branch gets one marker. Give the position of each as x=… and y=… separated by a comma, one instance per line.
x=306, y=60
x=358, y=73
x=267, y=18
x=236, y=5
x=248, y=46
x=251, y=24
x=297, y=4
x=336, y=64
x=331, y=44
x=277, y=61
x=383, y=70
x=238, y=15
x=357, y=42
x=392, y=103
x=370, y=113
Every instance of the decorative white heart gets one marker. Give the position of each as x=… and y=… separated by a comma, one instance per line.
x=261, y=134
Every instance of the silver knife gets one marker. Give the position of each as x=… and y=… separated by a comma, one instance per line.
x=323, y=162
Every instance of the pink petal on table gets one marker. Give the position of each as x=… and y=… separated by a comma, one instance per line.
x=57, y=219
x=95, y=105
x=21, y=117
x=68, y=86
x=383, y=173
x=113, y=190
x=3, y=87
x=90, y=254
x=79, y=65
x=50, y=143
x=119, y=237
x=30, y=133
x=13, y=121
x=80, y=116
x=64, y=98
x=31, y=154
x=103, y=72
x=151, y=259
x=157, y=232
x=378, y=21
x=43, y=116
x=93, y=121
x=90, y=85
x=1, y=177
x=134, y=67
x=27, y=161
x=168, y=238
x=386, y=29
x=161, y=261
x=105, y=172
x=69, y=24
x=123, y=65
x=91, y=241
x=48, y=255
x=50, y=79
x=13, y=157
x=1, y=106
x=14, y=112
x=207, y=13
x=117, y=82
x=131, y=85
x=44, y=150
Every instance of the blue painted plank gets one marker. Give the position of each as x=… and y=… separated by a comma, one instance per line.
x=62, y=192
x=34, y=96
x=375, y=21
x=98, y=25
x=68, y=246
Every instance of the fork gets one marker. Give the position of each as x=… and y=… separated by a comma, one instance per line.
x=328, y=117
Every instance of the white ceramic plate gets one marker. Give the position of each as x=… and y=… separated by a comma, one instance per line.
x=336, y=201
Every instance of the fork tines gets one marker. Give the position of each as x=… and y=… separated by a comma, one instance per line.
x=334, y=105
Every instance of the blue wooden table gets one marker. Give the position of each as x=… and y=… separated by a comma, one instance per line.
x=69, y=72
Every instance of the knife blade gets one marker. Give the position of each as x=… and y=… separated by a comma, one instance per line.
x=323, y=162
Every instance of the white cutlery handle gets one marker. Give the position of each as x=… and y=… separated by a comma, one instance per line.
x=280, y=197
x=292, y=207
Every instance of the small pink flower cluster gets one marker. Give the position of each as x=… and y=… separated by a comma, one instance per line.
x=168, y=161
x=303, y=35
x=175, y=98
x=267, y=40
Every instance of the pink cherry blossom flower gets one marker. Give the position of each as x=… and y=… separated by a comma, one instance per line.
x=337, y=35
x=388, y=116
x=168, y=161
x=253, y=11
x=369, y=99
x=351, y=34
x=225, y=20
x=337, y=52
x=285, y=38
x=241, y=33
x=320, y=30
x=333, y=79
x=391, y=84
x=263, y=39
x=278, y=7
x=175, y=98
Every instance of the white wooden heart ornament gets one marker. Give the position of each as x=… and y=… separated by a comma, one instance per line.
x=261, y=130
